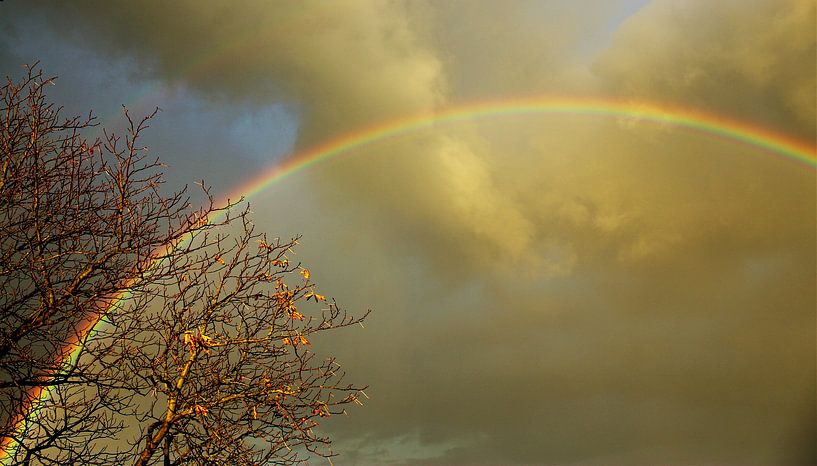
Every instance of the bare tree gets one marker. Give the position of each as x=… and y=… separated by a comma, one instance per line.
x=202, y=328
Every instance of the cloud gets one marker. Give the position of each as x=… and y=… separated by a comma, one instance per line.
x=753, y=60
x=554, y=289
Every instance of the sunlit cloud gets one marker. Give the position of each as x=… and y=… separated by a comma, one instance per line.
x=548, y=288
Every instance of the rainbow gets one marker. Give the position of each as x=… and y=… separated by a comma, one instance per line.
x=707, y=123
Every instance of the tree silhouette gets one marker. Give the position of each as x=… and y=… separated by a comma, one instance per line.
x=202, y=328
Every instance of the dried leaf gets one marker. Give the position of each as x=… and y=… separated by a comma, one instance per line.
x=200, y=410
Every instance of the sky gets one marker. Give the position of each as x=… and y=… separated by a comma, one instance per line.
x=568, y=288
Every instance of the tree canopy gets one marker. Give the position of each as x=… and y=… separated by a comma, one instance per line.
x=136, y=328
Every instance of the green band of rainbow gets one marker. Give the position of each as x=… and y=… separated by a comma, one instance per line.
x=708, y=123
